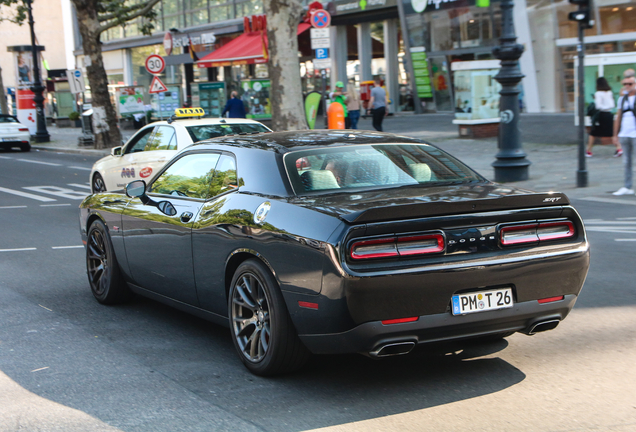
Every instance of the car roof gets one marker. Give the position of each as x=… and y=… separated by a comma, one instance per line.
x=206, y=121
x=284, y=142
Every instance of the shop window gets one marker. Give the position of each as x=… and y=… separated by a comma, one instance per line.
x=220, y=13
x=618, y=19
x=250, y=7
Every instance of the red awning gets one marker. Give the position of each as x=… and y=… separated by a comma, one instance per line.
x=245, y=49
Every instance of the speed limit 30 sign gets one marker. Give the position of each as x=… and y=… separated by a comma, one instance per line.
x=155, y=64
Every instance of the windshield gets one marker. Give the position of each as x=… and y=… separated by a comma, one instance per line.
x=7, y=119
x=373, y=166
x=198, y=133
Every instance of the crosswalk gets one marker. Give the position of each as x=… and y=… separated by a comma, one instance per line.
x=47, y=192
x=625, y=227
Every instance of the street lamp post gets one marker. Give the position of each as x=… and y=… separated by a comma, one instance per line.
x=511, y=163
x=42, y=135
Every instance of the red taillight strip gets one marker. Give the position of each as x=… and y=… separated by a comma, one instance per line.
x=400, y=320
x=439, y=246
x=389, y=252
x=530, y=238
x=551, y=299
x=555, y=235
x=308, y=305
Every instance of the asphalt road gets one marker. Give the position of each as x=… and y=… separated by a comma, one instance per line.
x=70, y=364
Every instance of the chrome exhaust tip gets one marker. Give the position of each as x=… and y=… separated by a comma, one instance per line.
x=393, y=349
x=542, y=326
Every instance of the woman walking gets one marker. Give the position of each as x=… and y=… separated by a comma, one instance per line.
x=603, y=120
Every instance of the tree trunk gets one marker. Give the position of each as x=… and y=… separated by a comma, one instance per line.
x=286, y=97
x=105, y=126
x=3, y=97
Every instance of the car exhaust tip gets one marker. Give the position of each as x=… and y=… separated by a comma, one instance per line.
x=393, y=349
x=542, y=326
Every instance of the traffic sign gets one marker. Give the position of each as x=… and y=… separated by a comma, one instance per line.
x=316, y=33
x=76, y=81
x=157, y=86
x=155, y=64
x=320, y=43
x=320, y=19
x=322, y=63
x=322, y=53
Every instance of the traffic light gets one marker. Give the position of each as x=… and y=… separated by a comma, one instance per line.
x=584, y=15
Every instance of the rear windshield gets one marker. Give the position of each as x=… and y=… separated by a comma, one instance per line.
x=7, y=119
x=199, y=133
x=373, y=166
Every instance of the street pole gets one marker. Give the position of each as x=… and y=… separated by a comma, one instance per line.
x=323, y=75
x=511, y=164
x=42, y=135
x=581, y=173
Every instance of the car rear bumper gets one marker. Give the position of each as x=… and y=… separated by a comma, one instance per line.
x=15, y=143
x=370, y=337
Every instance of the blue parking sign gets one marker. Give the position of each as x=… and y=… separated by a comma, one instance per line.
x=322, y=53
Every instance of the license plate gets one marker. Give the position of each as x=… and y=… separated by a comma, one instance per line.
x=9, y=139
x=482, y=301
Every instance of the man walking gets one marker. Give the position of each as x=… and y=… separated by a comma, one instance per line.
x=377, y=103
x=625, y=131
x=235, y=107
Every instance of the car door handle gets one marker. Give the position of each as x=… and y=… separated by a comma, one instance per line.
x=186, y=216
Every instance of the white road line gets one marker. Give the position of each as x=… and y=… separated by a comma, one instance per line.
x=67, y=247
x=631, y=201
x=5, y=157
x=58, y=191
x=625, y=239
x=27, y=195
x=81, y=186
x=616, y=223
x=54, y=205
x=17, y=250
x=80, y=168
x=12, y=207
x=626, y=218
x=38, y=162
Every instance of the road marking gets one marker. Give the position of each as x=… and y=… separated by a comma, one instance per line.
x=5, y=157
x=81, y=186
x=58, y=191
x=38, y=162
x=43, y=368
x=67, y=247
x=12, y=207
x=54, y=205
x=26, y=195
x=624, y=239
x=80, y=168
x=626, y=218
x=17, y=250
x=45, y=307
x=609, y=200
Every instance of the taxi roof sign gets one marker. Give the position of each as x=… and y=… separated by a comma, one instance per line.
x=189, y=112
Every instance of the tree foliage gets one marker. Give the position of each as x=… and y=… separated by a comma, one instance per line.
x=18, y=12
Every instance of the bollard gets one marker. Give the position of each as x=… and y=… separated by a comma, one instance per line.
x=335, y=113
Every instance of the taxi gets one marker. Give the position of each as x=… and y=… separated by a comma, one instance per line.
x=155, y=144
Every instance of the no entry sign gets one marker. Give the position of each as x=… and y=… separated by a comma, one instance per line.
x=155, y=64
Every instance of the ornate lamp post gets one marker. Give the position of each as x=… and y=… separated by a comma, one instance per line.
x=511, y=163
x=42, y=135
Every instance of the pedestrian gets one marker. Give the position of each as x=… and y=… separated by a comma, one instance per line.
x=353, y=107
x=628, y=73
x=377, y=103
x=625, y=132
x=339, y=96
x=234, y=107
x=603, y=119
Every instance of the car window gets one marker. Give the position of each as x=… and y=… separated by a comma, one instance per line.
x=190, y=176
x=162, y=139
x=203, y=132
x=138, y=142
x=7, y=119
x=373, y=166
x=224, y=176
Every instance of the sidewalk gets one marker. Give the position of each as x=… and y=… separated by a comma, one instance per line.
x=549, y=141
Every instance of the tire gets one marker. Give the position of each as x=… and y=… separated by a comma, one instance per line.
x=98, y=185
x=104, y=275
x=25, y=148
x=261, y=329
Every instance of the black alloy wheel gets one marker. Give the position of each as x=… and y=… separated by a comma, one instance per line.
x=98, y=184
x=261, y=328
x=104, y=275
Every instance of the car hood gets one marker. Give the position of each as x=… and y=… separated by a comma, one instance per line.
x=412, y=202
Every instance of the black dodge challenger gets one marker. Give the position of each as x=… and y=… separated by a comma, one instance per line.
x=336, y=242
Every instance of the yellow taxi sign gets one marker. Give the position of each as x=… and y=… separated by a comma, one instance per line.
x=189, y=112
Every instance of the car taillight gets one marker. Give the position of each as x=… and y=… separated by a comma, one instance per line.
x=23, y=129
x=380, y=248
x=536, y=232
x=397, y=246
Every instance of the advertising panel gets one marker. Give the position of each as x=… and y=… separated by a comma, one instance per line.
x=255, y=97
x=130, y=100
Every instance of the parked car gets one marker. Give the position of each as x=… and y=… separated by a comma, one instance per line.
x=149, y=149
x=14, y=134
x=336, y=242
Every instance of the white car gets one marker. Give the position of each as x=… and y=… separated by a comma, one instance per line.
x=155, y=144
x=14, y=134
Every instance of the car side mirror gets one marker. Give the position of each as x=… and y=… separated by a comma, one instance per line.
x=115, y=151
x=136, y=189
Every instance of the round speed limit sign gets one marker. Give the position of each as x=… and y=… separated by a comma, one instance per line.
x=155, y=64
